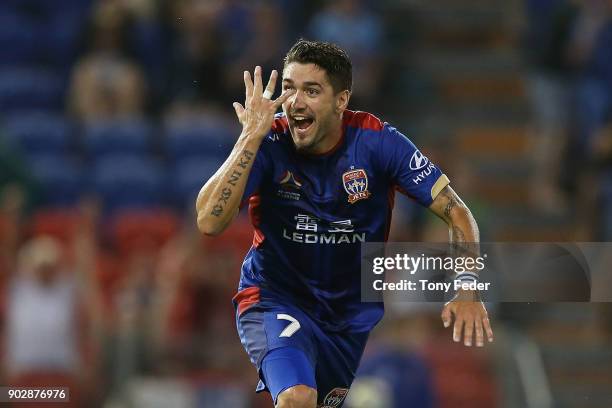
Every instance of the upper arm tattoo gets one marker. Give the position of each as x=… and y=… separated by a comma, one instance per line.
x=449, y=206
x=444, y=203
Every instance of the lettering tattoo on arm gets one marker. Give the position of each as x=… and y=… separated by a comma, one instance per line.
x=245, y=159
x=226, y=193
x=234, y=177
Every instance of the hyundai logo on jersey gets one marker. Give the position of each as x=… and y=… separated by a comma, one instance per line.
x=418, y=161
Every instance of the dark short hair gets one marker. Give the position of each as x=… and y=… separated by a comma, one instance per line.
x=333, y=59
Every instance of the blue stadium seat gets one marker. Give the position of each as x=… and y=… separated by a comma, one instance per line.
x=39, y=132
x=118, y=137
x=400, y=378
x=26, y=88
x=126, y=181
x=188, y=177
x=196, y=138
x=43, y=8
x=17, y=39
x=60, y=178
x=62, y=39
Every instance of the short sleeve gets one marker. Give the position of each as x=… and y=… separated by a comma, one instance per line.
x=412, y=172
x=257, y=173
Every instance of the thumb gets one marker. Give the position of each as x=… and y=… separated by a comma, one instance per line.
x=446, y=316
x=238, y=108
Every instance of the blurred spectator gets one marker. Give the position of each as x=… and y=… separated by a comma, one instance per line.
x=590, y=53
x=49, y=334
x=360, y=32
x=106, y=83
x=267, y=27
x=129, y=329
x=193, y=292
x=196, y=61
x=11, y=210
x=546, y=40
x=602, y=162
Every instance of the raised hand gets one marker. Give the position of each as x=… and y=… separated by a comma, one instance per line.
x=257, y=114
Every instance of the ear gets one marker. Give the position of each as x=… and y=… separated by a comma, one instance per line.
x=342, y=100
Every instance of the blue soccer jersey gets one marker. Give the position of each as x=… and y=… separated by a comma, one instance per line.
x=311, y=214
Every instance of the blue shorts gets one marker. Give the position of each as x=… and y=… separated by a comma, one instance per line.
x=289, y=349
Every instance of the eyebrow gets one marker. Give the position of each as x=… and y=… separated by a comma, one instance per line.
x=306, y=83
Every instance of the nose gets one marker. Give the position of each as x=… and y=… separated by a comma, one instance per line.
x=296, y=101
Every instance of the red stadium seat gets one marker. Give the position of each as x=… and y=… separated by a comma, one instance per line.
x=58, y=223
x=462, y=376
x=150, y=229
x=236, y=239
x=5, y=228
x=108, y=273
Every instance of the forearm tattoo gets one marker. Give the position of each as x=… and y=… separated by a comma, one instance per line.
x=226, y=193
x=460, y=246
x=457, y=235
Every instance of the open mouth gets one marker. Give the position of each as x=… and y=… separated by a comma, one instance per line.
x=302, y=123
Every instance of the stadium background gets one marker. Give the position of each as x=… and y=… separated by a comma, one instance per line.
x=113, y=113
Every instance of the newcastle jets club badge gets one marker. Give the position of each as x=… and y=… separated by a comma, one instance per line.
x=356, y=185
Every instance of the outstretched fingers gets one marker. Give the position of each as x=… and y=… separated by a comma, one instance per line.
x=271, y=85
x=487, y=326
x=248, y=87
x=446, y=315
x=468, y=332
x=239, y=109
x=257, y=84
x=479, y=332
x=457, y=329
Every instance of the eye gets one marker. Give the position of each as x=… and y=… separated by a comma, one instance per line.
x=312, y=92
x=286, y=87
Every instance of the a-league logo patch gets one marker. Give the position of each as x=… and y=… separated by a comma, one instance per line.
x=290, y=187
x=356, y=185
x=334, y=398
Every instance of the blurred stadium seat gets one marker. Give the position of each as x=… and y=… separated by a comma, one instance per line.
x=189, y=138
x=59, y=223
x=61, y=178
x=17, y=36
x=124, y=181
x=235, y=240
x=61, y=42
x=44, y=8
x=39, y=132
x=128, y=136
x=462, y=376
x=188, y=176
x=133, y=229
x=402, y=375
x=5, y=228
x=28, y=88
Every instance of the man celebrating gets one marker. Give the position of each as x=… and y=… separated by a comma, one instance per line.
x=319, y=180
